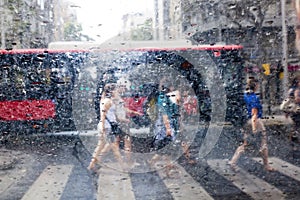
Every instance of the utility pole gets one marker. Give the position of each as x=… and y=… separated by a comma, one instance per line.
x=2, y=25
x=156, y=20
x=284, y=49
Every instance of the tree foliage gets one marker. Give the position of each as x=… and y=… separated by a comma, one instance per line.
x=72, y=31
x=143, y=31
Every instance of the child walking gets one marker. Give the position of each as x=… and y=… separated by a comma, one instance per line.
x=254, y=109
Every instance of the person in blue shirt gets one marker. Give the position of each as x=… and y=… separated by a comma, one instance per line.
x=254, y=109
x=165, y=124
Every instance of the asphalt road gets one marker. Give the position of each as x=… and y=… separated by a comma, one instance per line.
x=54, y=167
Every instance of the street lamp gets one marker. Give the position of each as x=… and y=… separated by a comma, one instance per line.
x=284, y=48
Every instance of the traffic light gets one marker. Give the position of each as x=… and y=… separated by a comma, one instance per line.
x=266, y=68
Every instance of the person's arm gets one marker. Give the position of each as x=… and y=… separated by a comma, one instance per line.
x=254, y=118
x=178, y=97
x=297, y=95
x=106, y=106
x=167, y=125
x=133, y=111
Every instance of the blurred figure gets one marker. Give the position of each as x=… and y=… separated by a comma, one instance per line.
x=189, y=104
x=122, y=117
x=107, y=139
x=176, y=118
x=165, y=127
x=295, y=86
x=294, y=93
x=254, y=109
x=297, y=28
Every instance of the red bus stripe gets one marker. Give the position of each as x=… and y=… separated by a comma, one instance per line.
x=196, y=47
x=27, y=110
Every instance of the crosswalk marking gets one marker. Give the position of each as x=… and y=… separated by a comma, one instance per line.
x=7, y=178
x=183, y=186
x=283, y=167
x=113, y=184
x=50, y=184
x=251, y=185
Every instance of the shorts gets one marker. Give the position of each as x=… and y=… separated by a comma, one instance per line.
x=110, y=137
x=124, y=127
x=260, y=126
x=125, y=130
x=253, y=139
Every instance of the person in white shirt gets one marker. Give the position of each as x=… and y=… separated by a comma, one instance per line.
x=107, y=139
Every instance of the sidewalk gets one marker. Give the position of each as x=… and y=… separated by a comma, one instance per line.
x=276, y=117
x=277, y=120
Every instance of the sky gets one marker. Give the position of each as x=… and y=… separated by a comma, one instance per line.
x=102, y=19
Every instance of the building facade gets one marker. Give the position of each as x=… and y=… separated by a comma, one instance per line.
x=33, y=23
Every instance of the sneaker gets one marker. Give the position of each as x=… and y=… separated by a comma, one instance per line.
x=269, y=168
x=233, y=166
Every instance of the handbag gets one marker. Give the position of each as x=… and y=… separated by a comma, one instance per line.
x=159, y=144
x=161, y=139
x=115, y=128
x=288, y=105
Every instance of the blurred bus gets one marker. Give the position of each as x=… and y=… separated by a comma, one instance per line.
x=59, y=88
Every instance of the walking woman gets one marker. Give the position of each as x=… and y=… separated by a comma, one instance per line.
x=254, y=109
x=107, y=139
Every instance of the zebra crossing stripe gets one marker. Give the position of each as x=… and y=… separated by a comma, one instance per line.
x=181, y=185
x=113, y=184
x=7, y=178
x=50, y=184
x=283, y=167
x=251, y=185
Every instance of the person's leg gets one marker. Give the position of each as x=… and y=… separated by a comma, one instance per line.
x=116, y=150
x=127, y=148
x=239, y=151
x=264, y=153
x=187, y=153
x=100, y=146
x=264, y=147
x=295, y=135
x=168, y=165
x=292, y=135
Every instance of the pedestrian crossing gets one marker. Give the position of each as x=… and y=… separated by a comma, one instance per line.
x=180, y=185
x=111, y=180
x=50, y=184
x=285, y=168
x=184, y=186
x=252, y=185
